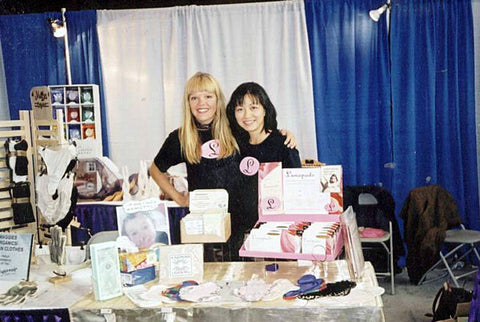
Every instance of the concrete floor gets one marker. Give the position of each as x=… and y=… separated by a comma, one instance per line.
x=411, y=302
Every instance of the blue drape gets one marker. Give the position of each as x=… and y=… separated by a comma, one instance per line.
x=85, y=57
x=34, y=57
x=351, y=85
x=433, y=97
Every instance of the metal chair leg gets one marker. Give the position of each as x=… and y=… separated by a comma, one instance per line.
x=449, y=269
x=392, y=268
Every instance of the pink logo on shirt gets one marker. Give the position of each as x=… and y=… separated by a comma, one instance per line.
x=249, y=166
x=211, y=149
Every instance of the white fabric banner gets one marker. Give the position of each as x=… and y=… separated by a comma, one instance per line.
x=148, y=54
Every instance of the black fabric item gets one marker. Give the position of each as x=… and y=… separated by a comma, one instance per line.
x=21, y=190
x=71, y=166
x=21, y=164
x=445, y=303
x=208, y=174
x=22, y=211
x=272, y=149
x=341, y=288
x=71, y=212
x=376, y=216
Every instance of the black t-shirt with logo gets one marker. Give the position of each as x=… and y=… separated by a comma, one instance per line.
x=210, y=173
x=272, y=149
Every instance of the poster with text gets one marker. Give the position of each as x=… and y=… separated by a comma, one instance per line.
x=15, y=253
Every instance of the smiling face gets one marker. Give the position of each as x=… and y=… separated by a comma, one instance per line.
x=203, y=106
x=140, y=230
x=250, y=115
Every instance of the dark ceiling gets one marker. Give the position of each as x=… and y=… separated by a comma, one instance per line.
x=8, y=7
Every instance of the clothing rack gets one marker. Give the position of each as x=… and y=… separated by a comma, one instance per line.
x=8, y=130
x=45, y=133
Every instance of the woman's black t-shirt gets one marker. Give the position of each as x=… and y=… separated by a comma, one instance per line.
x=272, y=149
x=210, y=173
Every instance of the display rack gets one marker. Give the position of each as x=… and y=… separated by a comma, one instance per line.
x=80, y=105
x=15, y=129
x=45, y=133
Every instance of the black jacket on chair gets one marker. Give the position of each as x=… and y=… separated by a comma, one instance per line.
x=375, y=216
x=427, y=214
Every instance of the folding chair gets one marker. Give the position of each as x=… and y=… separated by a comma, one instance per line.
x=462, y=238
x=367, y=199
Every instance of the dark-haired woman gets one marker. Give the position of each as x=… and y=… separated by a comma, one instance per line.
x=253, y=121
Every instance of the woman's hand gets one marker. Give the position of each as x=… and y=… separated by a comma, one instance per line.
x=183, y=199
x=290, y=141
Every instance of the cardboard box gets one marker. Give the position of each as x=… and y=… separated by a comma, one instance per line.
x=193, y=228
x=138, y=276
x=130, y=262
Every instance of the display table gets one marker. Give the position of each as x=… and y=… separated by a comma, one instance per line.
x=363, y=303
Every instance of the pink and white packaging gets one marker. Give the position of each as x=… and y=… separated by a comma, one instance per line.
x=320, y=238
x=273, y=240
x=264, y=240
x=270, y=188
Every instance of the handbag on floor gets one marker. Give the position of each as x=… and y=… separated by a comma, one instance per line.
x=446, y=300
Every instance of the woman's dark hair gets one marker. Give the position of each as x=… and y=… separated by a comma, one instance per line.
x=258, y=95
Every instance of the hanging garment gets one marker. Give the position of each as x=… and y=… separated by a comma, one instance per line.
x=17, y=159
x=22, y=208
x=54, y=207
x=427, y=214
x=57, y=163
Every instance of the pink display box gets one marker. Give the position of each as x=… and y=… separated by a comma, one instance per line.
x=338, y=247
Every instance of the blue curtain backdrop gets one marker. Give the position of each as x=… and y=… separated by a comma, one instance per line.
x=434, y=100
x=34, y=57
x=85, y=57
x=351, y=85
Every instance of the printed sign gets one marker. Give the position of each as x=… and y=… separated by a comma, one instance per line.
x=181, y=262
x=180, y=265
x=15, y=253
x=40, y=98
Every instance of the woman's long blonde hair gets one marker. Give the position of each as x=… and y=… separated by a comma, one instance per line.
x=188, y=133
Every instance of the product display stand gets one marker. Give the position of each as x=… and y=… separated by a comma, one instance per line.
x=78, y=107
x=45, y=133
x=11, y=130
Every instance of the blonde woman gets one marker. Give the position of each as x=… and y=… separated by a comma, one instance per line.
x=204, y=142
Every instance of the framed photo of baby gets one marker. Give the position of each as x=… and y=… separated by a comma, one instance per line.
x=144, y=223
